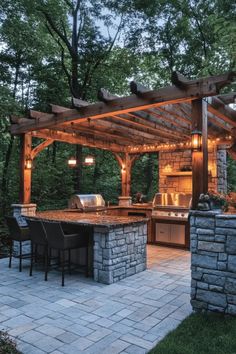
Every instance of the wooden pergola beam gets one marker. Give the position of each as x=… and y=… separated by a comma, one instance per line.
x=101, y=132
x=149, y=148
x=155, y=98
x=228, y=98
x=144, y=130
x=40, y=147
x=76, y=139
x=131, y=125
x=158, y=123
x=218, y=108
x=173, y=122
x=217, y=81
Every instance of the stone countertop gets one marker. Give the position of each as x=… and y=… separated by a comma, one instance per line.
x=147, y=206
x=89, y=219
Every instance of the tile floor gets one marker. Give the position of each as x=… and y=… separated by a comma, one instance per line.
x=86, y=317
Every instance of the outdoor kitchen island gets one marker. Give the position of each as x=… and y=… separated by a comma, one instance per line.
x=118, y=243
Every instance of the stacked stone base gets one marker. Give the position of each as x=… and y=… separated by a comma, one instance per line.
x=19, y=211
x=119, y=252
x=213, y=247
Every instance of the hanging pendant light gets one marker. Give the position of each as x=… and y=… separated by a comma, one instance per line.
x=72, y=162
x=89, y=160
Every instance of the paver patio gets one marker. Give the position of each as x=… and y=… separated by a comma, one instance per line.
x=127, y=317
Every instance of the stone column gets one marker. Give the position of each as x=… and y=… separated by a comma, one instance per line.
x=19, y=211
x=222, y=170
x=119, y=251
x=213, y=264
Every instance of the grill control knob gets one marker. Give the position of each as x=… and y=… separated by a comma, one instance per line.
x=176, y=214
x=169, y=213
x=182, y=215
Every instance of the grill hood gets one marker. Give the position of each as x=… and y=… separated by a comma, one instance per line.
x=86, y=202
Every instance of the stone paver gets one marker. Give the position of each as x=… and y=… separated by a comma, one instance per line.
x=130, y=316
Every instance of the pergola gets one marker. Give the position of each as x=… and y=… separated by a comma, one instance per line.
x=143, y=122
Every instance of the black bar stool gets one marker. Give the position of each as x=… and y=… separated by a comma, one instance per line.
x=58, y=240
x=38, y=238
x=19, y=234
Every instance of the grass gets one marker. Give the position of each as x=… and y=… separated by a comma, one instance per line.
x=7, y=345
x=201, y=334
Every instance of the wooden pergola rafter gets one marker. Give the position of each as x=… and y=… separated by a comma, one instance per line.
x=146, y=121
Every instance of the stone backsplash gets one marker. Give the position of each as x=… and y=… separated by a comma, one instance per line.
x=213, y=263
x=170, y=162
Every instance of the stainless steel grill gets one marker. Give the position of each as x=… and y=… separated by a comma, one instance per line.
x=172, y=206
x=87, y=202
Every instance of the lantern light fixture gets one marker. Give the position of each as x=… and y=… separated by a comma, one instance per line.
x=72, y=162
x=196, y=137
x=89, y=160
x=28, y=164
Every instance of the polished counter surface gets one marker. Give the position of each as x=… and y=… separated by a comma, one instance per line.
x=89, y=219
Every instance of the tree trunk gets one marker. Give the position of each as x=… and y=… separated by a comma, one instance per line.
x=4, y=188
x=54, y=152
x=78, y=170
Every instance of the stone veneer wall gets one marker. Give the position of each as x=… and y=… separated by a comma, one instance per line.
x=213, y=264
x=217, y=164
x=19, y=211
x=119, y=252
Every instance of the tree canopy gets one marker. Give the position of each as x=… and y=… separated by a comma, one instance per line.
x=53, y=49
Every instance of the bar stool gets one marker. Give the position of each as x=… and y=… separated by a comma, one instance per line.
x=62, y=242
x=19, y=234
x=38, y=238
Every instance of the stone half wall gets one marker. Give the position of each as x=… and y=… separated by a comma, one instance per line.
x=213, y=263
x=119, y=252
x=170, y=162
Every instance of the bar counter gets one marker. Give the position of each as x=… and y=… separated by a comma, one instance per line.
x=118, y=243
x=90, y=218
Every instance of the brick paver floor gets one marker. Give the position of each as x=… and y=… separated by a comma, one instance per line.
x=127, y=317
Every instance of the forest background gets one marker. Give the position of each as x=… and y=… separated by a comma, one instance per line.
x=51, y=50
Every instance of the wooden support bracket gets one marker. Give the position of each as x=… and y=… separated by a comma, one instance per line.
x=40, y=147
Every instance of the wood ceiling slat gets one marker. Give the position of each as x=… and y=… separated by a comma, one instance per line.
x=110, y=134
x=77, y=139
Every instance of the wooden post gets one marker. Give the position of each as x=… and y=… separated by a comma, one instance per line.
x=125, y=163
x=25, y=173
x=199, y=158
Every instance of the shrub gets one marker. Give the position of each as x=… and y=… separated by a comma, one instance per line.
x=7, y=345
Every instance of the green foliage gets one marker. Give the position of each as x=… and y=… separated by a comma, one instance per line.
x=201, y=333
x=153, y=38
x=7, y=345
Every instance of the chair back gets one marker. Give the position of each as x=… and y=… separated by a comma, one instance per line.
x=55, y=234
x=37, y=231
x=14, y=228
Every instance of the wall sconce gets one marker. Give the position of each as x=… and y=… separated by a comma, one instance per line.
x=89, y=160
x=123, y=168
x=72, y=162
x=28, y=164
x=168, y=168
x=196, y=137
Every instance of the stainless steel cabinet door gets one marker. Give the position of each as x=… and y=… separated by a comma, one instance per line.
x=162, y=232
x=177, y=234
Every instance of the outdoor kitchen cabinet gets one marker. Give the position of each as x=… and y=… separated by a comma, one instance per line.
x=171, y=233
